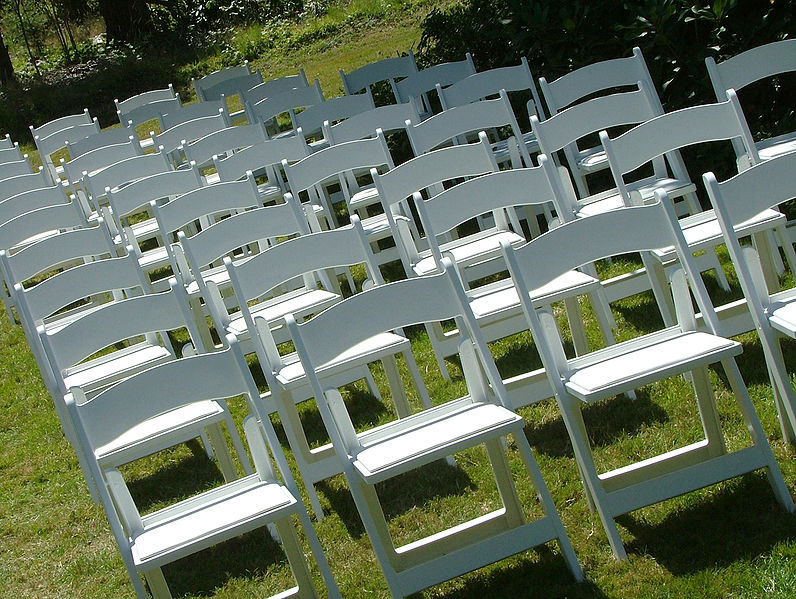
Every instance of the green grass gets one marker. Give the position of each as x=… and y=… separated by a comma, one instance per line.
x=730, y=540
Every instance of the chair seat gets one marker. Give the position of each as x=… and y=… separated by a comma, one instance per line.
x=477, y=248
x=592, y=160
x=776, y=146
x=369, y=350
x=702, y=230
x=641, y=190
x=206, y=519
x=145, y=229
x=108, y=369
x=643, y=360
x=429, y=435
x=378, y=227
x=496, y=298
x=782, y=312
x=299, y=302
x=162, y=431
x=366, y=196
x=501, y=148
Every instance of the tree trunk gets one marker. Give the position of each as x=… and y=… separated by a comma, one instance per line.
x=126, y=20
x=6, y=68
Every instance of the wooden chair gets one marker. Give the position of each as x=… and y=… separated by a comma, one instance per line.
x=671, y=351
x=737, y=202
x=262, y=315
x=415, y=87
x=748, y=67
x=387, y=69
x=480, y=417
x=269, y=496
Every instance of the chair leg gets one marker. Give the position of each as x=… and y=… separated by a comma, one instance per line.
x=238, y=444
x=434, y=331
x=225, y=462
x=759, y=439
x=784, y=396
x=578, y=331
x=296, y=559
x=716, y=267
x=399, y=399
x=320, y=557
x=706, y=402
x=573, y=420
x=543, y=493
x=157, y=584
x=420, y=386
x=787, y=246
x=505, y=482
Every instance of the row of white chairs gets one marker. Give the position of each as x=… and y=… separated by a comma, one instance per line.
x=604, y=499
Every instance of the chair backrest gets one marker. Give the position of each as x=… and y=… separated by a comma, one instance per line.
x=188, y=131
x=433, y=168
x=136, y=195
x=146, y=106
x=33, y=199
x=287, y=101
x=115, y=322
x=6, y=142
x=444, y=128
x=335, y=160
x=261, y=158
x=273, y=87
x=40, y=221
x=104, y=138
x=607, y=75
x=11, y=154
x=234, y=233
x=669, y=132
x=223, y=141
x=311, y=119
x=64, y=122
x=736, y=200
x=45, y=255
x=17, y=184
x=494, y=192
x=57, y=140
x=123, y=171
x=94, y=160
x=752, y=65
x=388, y=118
x=582, y=241
x=416, y=85
x=189, y=112
x=227, y=82
x=307, y=255
x=387, y=69
x=485, y=84
x=15, y=168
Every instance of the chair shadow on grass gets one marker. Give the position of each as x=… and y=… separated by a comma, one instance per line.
x=538, y=574
x=251, y=556
x=183, y=475
x=400, y=494
x=740, y=520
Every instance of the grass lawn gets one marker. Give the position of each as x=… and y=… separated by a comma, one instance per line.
x=731, y=540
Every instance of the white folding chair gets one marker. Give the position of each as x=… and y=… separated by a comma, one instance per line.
x=415, y=87
x=737, y=202
x=266, y=89
x=129, y=202
x=308, y=257
x=55, y=141
x=221, y=143
x=481, y=417
x=287, y=102
x=225, y=82
x=78, y=168
x=17, y=184
x=386, y=69
x=265, y=161
x=341, y=164
x=11, y=154
x=15, y=168
x=478, y=257
x=146, y=106
x=334, y=110
x=269, y=496
x=106, y=137
x=671, y=351
x=748, y=67
x=189, y=112
x=139, y=325
x=603, y=76
x=172, y=140
x=392, y=117
x=679, y=129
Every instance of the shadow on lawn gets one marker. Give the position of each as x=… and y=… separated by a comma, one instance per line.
x=739, y=521
x=606, y=421
x=400, y=494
